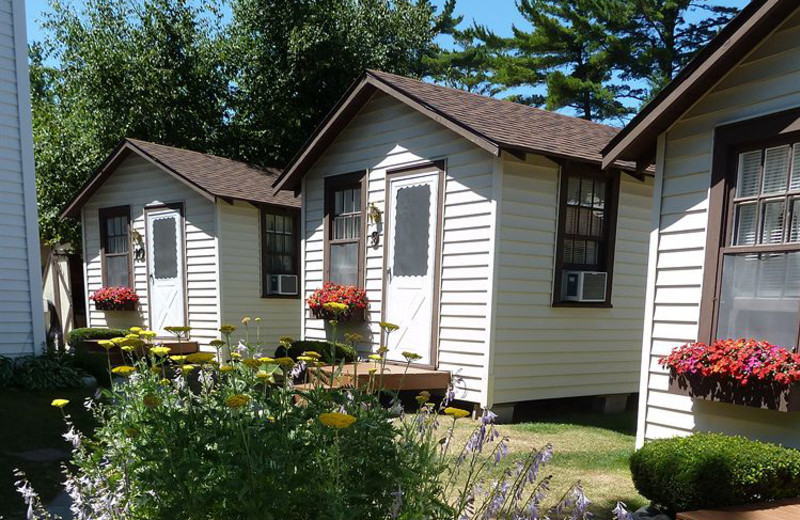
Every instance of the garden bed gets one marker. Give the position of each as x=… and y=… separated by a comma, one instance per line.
x=765, y=395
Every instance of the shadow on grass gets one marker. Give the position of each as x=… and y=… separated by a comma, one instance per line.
x=577, y=411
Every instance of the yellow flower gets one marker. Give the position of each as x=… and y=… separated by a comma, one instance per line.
x=236, y=355
x=160, y=351
x=266, y=360
x=264, y=376
x=106, y=343
x=227, y=329
x=60, y=403
x=285, y=361
x=151, y=401
x=200, y=357
x=164, y=382
x=286, y=340
x=375, y=357
x=246, y=321
x=132, y=336
x=178, y=359
x=373, y=370
x=423, y=397
x=237, y=400
x=126, y=348
x=270, y=418
x=131, y=432
x=187, y=368
x=337, y=420
x=388, y=327
x=456, y=413
x=123, y=370
x=118, y=341
x=311, y=353
x=383, y=349
x=336, y=307
x=135, y=330
x=217, y=343
x=411, y=356
x=307, y=359
x=252, y=363
x=258, y=320
x=226, y=368
x=148, y=334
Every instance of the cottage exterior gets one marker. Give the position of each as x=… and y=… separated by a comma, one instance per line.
x=462, y=215
x=203, y=241
x=21, y=319
x=725, y=135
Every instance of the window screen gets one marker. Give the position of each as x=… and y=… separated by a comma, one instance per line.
x=114, y=237
x=412, y=231
x=165, y=249
x=344, y=208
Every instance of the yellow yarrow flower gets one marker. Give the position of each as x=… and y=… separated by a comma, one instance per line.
x=456, y=413
x=132, y=336
x=226, y=368
x=126, y=348
x=237, y=400
x=411, y=356
x=423, y=397
x=252, y=363
x=217, y=343
x=123, y=370
x=200, y=357
x=389, y=327
x=135, y=330
x=227, y=329
x=59, y=403
x=106, y=343
x=178, y=359
x=337, y=420
x=164, y=382
x=160, y=351
x=286, y=361
x=148, y=334
x=311, y=353
x=263, y=376
x=375, y=357
x=187, y=368
x=236, y=355
x=335, y=307
x=307, y=359
x=266, y=360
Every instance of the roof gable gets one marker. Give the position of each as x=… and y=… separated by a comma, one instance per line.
x=636, y=142
x=491, y=124
x=212, y=176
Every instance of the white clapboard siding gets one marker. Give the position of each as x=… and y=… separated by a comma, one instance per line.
x=768, y=80
x=386, y=134
x=542, y=352
x=137, y=182
x=240, y=279
x=21, y=311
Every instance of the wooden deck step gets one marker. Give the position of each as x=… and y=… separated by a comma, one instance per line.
x=395, y=377
x=782, y=510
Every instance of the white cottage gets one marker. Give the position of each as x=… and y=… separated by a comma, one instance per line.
x=486, y=230
x=22, y=315
x=724, y=244
x=202, y=240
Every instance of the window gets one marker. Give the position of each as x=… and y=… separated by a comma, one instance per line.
x=279, y=247
x=585, y=248
x=759, y=262
x=115, y=246
x=344, y=222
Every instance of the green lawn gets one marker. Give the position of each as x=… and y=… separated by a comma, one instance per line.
x=30, y=423
x=589, y=447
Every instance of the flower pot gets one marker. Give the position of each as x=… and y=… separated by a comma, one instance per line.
x=113, y=306
x=761, y=394
x=182, y=348
x=352, y=316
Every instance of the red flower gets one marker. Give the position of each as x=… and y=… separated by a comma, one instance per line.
x=114, y=297
x=350, y=295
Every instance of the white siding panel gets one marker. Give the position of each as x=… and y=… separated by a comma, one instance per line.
x=766, y=81
x=240, y=273
x=138, y=183
x=537, y=345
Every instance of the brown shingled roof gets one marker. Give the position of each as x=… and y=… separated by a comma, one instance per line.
x=213, y=176
x=492, y=124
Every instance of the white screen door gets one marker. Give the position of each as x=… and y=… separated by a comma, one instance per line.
x=411, y=263
x=165, y=272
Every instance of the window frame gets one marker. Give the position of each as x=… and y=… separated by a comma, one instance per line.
x=103, y=215
x=729, y=142
x=612, y=182
x=357, y=179
x=263, y=211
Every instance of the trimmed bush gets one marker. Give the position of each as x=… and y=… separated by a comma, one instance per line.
x=6, y=371
x=343, y=351
x=77, y=336
x=710, y=470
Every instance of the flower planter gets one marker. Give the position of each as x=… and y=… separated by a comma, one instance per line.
x=352, y=316
x=765, y=395
x=182, y=348
x=111, y=307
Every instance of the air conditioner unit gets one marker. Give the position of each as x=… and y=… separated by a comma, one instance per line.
x=283, y=284
x=584, y=286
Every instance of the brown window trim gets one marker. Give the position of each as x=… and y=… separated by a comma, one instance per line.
x=612, y=178
x=729, y=141
x=354, y=179
x=103, y=214
x=263, y=210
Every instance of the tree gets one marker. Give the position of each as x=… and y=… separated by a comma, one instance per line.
x=149, y=70
x=294, y=60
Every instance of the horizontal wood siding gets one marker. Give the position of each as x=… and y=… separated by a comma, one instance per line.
x=543, y=352
x=21, y=322
x=388, y=134
x=240, y=272
x=766, y=81
x=138, y=183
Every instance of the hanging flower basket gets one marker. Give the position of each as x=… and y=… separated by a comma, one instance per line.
x=348, y=303
x=115, y=299
x=744, y=372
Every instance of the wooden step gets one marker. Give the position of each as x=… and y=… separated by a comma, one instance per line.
x=395, y=377
x=781, y=510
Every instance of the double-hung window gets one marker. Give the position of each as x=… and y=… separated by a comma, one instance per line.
x=115, y=246
x=344, y=223
x=759, y=261
x=279, y=252
x=585, y=246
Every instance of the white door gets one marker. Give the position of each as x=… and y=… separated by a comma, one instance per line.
x=165, y=272
x=413, y=226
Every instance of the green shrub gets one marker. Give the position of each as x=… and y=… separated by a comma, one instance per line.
x=49, y=371
x=77, y=336
x=343, y=351
x=6, y=371
x=709, y=470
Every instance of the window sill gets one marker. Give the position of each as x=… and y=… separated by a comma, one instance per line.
x=280, y=296
x=583, y=305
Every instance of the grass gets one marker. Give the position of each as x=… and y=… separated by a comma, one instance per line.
x=29, y=423
x=589, y=447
